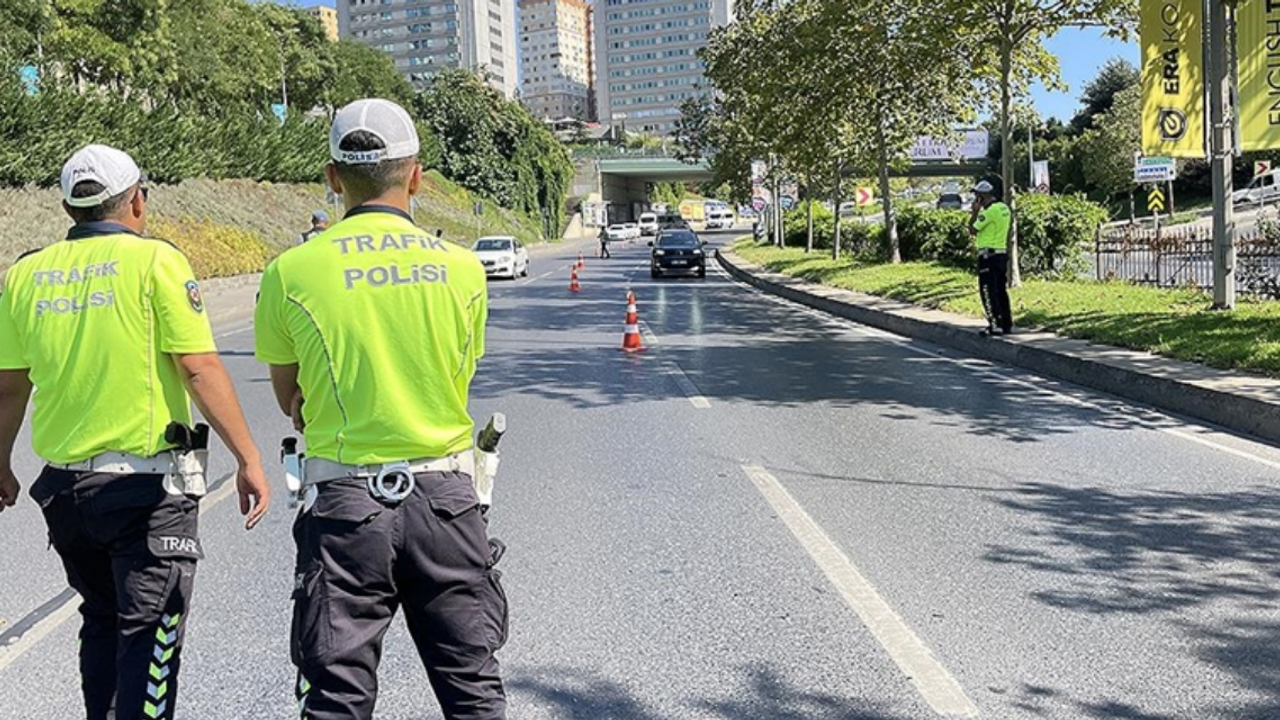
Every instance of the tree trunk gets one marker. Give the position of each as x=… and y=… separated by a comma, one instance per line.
x=886, y=199
x=808, y=199
x=835, y=201
x=1006, y=153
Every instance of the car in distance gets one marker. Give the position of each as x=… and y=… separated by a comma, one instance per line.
x=1261, y=190
x=633, y=230
x=720, y=219
x=950, y=201
x=677, y=250
x=648, y=224
x=502, y=255
x=672, y=221
x=617, y=232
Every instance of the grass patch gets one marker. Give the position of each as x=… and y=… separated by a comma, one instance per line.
x=1176, y=323
x=231, y=227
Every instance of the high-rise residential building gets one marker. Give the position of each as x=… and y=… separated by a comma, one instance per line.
x=556, y=59
x=328, y=18
x=646, y=58
x=425, y=36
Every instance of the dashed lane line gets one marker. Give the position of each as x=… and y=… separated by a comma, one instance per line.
x=931, y=679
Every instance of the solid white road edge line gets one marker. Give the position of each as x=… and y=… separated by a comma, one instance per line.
x=10, y=653
x=677, y=373
x=934, y=683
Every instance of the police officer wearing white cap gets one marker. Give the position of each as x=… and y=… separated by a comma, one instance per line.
x=989, y=223
x=109, y=330
x=372, y=331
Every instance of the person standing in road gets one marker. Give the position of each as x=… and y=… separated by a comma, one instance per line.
x=109, y=330
x=319, y=223
x=372, y=332
x=603, y=237
x=989, y=222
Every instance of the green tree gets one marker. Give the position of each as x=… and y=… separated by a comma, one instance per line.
x=1099, y=95
x=1107, y=148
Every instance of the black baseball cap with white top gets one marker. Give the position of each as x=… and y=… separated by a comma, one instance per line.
x=984, y=187
x=113, y=169
x=381, y=118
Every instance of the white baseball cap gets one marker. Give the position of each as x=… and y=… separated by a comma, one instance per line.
x=382, y=118
x=111, y=168
x=984, y=187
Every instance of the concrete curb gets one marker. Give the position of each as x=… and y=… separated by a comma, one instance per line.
x=1256, y=416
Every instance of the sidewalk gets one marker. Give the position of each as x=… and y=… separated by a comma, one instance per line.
x=1245, y=403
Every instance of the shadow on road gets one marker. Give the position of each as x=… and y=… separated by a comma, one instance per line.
x=576, y=694
x=1166, y=553
x=737, y=346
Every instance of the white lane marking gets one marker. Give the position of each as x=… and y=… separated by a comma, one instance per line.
x=9, y=654
x=677, y=373
x=533, y=280
x=934, y=683
x=1174, y=426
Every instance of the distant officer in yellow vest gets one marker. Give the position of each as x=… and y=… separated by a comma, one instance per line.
x=989, y=223
x=110, y=331
x=373, y=330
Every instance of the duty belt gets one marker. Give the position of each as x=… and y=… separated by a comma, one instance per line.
x=392, y=481
x=165, y=463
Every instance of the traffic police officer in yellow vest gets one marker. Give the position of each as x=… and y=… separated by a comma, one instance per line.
x=990, y=222
x=110, y=331
x=372, y=330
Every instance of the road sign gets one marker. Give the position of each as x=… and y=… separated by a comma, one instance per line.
x=280, y=111
x=1155, y=199
x=1040, y=171
x=757, y=204
x=1154, y=169
x=864, y=196
x=786, y=201
x=1262, y=167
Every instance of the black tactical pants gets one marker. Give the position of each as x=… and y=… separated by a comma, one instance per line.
x=360, y=559
x=130, y=549
x=993, y=286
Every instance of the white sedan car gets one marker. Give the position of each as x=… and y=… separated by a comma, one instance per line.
x=618, y=232
x=633, y=230
x=502, y=256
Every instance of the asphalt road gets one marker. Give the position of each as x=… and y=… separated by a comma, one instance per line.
x=772, y=514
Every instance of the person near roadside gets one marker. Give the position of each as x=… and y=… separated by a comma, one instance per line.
x=372, y=332
x=319, y=223
x=603, y=238
x=109, y=331
x=989, y=223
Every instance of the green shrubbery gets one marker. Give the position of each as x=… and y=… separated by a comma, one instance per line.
x=1054, y=231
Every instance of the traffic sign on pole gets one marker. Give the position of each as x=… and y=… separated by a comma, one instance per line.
x=1154, y=169
x=1262, y=167
x=1155, y=199
x=865, y=196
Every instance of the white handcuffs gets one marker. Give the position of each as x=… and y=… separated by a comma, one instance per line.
x=393, y=483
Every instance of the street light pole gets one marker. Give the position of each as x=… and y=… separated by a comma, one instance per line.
x=1221, y=154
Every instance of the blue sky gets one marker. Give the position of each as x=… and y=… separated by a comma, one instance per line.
x=1081, y=53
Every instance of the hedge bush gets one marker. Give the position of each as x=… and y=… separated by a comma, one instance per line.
x=1055, y=232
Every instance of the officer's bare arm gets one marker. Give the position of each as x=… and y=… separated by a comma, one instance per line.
x=214, y=394
x=15, y=390
x=284, y=382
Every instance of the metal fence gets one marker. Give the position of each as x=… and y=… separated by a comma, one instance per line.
x=1182, y=256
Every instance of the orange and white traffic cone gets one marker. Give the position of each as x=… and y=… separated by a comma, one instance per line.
x=581, y=263
x=573, y=280
x=631, y=336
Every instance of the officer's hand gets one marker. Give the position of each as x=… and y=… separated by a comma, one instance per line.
x=9, y=488
x=255, y=494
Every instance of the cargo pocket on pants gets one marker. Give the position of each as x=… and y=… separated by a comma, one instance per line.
x=309, y=635
x=496, y=611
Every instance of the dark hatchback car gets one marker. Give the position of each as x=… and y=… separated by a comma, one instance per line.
x=677, y=251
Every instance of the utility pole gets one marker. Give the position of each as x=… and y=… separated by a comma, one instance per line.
x=1031, y=158
x=1221, y=153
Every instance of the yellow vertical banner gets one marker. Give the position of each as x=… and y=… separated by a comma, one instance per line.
x=1173, y=93
x=1258, y=49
